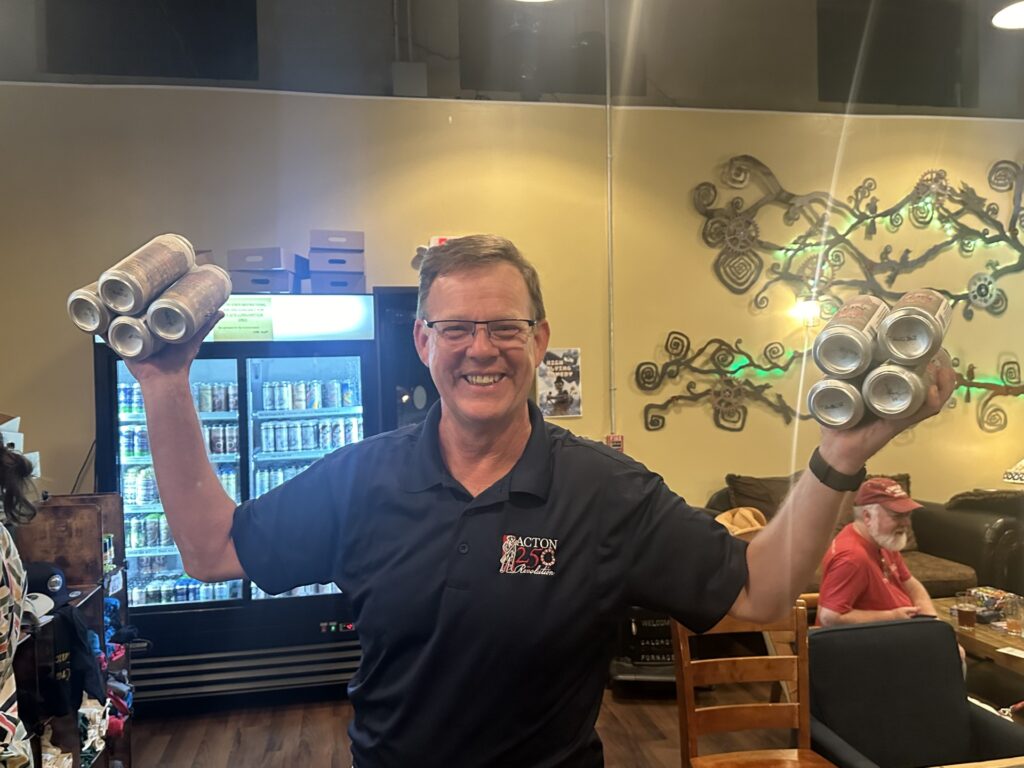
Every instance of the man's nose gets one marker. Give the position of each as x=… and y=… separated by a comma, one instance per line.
x=481, y=343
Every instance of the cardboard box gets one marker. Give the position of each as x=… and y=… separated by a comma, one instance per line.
x=337, y=282
x=336, y=240
x=262, y=280
x=336, y=261
x=262, y=258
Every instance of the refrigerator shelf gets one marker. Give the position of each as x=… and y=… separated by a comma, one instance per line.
x=142, y=509
x=308, y=413
x=150, y=551
x=147, y=461
x=140, y=418
x=274, y=456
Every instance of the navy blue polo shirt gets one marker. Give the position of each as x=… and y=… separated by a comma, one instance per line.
x=487, y=624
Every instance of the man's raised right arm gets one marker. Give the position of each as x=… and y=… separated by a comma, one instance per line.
x=198, y=510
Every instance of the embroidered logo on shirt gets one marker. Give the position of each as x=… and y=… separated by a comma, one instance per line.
x=534, y=555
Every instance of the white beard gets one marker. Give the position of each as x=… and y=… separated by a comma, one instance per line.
x=891, y=541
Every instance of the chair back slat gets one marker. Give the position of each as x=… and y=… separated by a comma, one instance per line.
x=791, y=667
x=725, y=717
x=744, y=669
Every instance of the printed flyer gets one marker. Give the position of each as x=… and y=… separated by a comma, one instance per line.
x=559, y=392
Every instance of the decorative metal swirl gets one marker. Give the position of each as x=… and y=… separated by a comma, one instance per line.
x=837, y=233
x=717, y=372
x=990, y=416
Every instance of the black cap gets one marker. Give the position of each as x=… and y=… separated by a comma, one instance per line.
x=48, y=579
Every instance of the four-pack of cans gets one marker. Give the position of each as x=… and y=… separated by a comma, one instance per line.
x=879, y=359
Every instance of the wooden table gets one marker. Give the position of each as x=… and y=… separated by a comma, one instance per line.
x=1006, y=762
x=983, y=641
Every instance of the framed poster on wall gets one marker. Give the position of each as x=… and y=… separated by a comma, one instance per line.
x=559, y=390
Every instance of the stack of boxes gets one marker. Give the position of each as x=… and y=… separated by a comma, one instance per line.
x=266, y=270
x=336, y=261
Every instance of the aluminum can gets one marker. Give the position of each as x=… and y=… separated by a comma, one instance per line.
x=195, y=395
x=205, y=591
x=262, y=481
x=141, y=441
x=167, y=591
x=323, y=429
x=165, y=532
x=285, y=399
x=276, y=477
x=314, y=394
x=138, y=595
x=153, y=592
x=846, y=347
x=893, y=391
x=219, y=396
x=332, y=394
x=221, y=591
x=337, y=433
x=147, y=485
x=137, y=403
x=128, y=486
x=836, y=403
x=126, y=442
x=231, y=474
x=280, y=436
x=136, y=533
x=347, y=393
x=230, y=438
x=205, y=397
x=153, y=530
x=308, y=436
x=267, y=437
x=349, y=430
x=217, y=438
x=193, y=589
x=232, y=401
x=294, y=436
x=181, y=590
x=124, y=398
x=290, y=471
x=268, y=396
x=913, y=331
x=299, y=396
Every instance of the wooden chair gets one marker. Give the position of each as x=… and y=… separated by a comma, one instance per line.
x=795, y=715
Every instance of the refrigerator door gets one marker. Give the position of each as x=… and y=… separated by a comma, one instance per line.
x=155, y=572
x=302, y=409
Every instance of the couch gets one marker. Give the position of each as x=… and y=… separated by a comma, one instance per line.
x=971, y=539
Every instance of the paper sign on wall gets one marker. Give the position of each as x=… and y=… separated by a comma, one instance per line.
x=559, y=389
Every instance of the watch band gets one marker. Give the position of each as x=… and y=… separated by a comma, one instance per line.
x=832, y=477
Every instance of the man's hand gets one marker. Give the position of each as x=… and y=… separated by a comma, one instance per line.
x=904, y=612
x=173, y=359
x=848, y=450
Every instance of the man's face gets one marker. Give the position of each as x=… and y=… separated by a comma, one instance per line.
x=481, y=382
x=889, y=530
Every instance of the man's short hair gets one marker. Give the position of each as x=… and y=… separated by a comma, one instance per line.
x=860, y=509
x=471, y=252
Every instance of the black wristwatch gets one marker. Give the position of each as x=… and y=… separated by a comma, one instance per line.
x=832, y=477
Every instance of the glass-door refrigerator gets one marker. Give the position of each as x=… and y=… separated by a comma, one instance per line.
x=280, y=382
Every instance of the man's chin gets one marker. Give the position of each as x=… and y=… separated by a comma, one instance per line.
x=893, y=543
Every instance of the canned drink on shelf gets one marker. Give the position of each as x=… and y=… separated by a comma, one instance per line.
x=232, y=401
x=348, y=396
x=217, y=438
x=337, y=433
x=126, y=442
x=137, y=403
x=268, y=396
x=137, y=595
x=348, y=433
x=294, y=436
x=205, y=591
x=290, y=471
x=219, y=396
x=281, y=436
x=141, y=441
x=205, y=397
x=124, y=398
x=167, y=591
x=262, y=481
x=221, y=591
x=276, y=477
x=323, y=438
x=136, y=533
x=308, y=435
x=153, y=592
x=147, y=486
x=181, y=590
x=195, y=394
x=286, y=395
x=128, y=485
x=314, y=394
x=332, y=393
x=231, y=485
x=267, y=437
x=153, y=530
x=298, y=396
x=230, y=438
x=193, y=589
x=165, y=532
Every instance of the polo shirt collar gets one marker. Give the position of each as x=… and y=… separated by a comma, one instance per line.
x=531, y=474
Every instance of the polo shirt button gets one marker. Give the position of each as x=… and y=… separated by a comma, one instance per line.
x=463, y=548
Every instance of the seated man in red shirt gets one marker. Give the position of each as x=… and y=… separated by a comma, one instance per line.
x=863, y=575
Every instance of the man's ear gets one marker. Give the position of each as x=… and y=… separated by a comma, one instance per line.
x=419, y=337
x=541, y=337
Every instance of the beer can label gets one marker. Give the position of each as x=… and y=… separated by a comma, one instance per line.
x=267, y=437
x=231, y=438
x=314, y=394
x=219, y=396
x=205, y=398
x=347, y=395
x=337, y=433
x=332, y=394
x=324, y=436
x=217, y=438
x=309, y=435
x=268, y=396
x=232, y=397
x=286, y=396
x=299, y=396
x=294, y=436
x=281, y=436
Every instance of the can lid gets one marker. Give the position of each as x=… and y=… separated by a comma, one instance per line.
x=125, y=337
x=835, y=404
x=841, y=353
x=909, y=335
x=119, y=291
x=888, y=391
x=167, y=321
x=84, y=313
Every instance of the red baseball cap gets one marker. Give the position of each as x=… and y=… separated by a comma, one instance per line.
x=887, y=492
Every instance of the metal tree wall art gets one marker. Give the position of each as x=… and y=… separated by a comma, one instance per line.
x=832, y=257
x=720, y=373
x=992, y=417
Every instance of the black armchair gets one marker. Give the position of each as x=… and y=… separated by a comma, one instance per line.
x=892, y=695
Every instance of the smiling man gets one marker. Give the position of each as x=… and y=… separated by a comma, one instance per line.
x=487, y=555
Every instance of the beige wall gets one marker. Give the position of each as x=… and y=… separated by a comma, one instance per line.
x=91, y=172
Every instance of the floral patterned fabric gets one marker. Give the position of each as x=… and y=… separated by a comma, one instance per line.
x=15, y=749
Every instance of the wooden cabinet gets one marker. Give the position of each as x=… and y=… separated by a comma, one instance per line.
x=70, y=531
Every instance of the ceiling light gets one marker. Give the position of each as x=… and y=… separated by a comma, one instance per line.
x=1011, y=17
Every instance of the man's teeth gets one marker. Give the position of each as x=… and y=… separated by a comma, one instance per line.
x=483, y=379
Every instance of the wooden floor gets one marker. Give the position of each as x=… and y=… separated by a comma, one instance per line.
x=637, y=733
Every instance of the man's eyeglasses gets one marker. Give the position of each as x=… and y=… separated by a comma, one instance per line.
x=508, y=333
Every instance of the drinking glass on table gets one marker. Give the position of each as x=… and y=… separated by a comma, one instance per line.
x=966, y=611
x=1013, y=613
